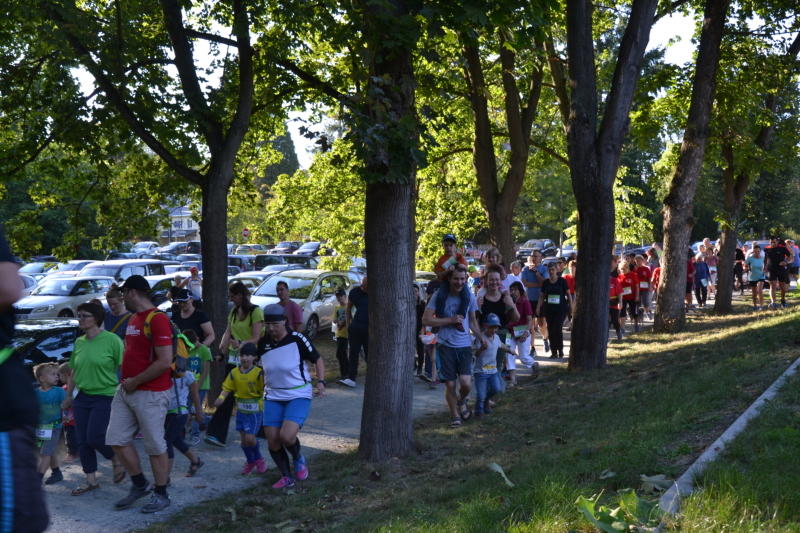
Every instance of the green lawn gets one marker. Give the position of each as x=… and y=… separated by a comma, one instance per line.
x=660, y=402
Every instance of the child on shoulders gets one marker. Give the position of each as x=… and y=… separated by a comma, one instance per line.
x=444, y=265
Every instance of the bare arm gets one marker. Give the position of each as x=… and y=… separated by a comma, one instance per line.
x=319, y=366
x=208, y=331
x=476, y=329
x=257, y=327
x=348, y=313
x=226, y=340
x=204, y=373
x=160, y=365
x=198, y=408
x=429, y=320
x=67, y=402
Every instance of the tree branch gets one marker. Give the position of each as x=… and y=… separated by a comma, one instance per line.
x=313, y=80
x=669, y=10
x=244, y=106
x=557, y=74
x=139, y=64
x=194, y=34
x=451, y=152
x=546, y=149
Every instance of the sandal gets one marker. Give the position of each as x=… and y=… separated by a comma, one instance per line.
x=89, y=488
x=455, y=423
x=467, y=414
x=194, y=467
x=119, y=476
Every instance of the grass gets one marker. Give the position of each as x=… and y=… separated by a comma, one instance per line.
x=755, y=484
x=661, y=400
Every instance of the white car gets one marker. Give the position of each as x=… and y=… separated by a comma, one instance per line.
x=145, y=247
x=60, y=297
x=28, y=284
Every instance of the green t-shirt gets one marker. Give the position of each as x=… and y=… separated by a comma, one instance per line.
x=197, y=359
x=242, y=330
x=95, y=363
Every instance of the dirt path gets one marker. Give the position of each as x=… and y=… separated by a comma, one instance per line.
x=333, y=425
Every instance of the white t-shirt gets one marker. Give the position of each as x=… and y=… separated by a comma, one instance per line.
x=195, y=286
x=180, y=393
x=286, y=374
x=486, y=362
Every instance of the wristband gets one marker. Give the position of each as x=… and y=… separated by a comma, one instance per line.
x=322, y=381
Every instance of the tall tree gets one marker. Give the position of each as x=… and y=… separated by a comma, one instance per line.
x=678, y=205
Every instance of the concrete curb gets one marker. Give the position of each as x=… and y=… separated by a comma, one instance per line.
x=671, y=500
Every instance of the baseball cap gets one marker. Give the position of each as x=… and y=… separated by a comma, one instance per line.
x=341, y=292
x=136, y=282
x=491, y=320
x=472, y=269
x=247, y=348
x=274, y=313
x=182, y=296
x=193, y=270
x=449, y=237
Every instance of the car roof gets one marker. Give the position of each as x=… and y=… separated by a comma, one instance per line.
x=85, y=278
x=160, y=277
x=308, y=273
x=120, y=262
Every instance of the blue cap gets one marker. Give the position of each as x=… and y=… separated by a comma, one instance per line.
x=449, y=237
x=491, y=320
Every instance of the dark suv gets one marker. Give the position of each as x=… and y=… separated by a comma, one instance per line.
x=313, y=249
x=546, y=246
x=44, y=340
x=286, y=247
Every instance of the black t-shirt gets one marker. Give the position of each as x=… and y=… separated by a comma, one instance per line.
x=739, y=254
x=7, y=316
x=559, y=290
x=498, y=308
x=193, y=322
x=360, y=301
x=773, y=257
x=433, y=286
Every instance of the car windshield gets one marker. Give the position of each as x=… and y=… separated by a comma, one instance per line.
x=309, y=246
x=61, y=267
x=299, y=288
x=284, y=244
x=55, y=287
x=533, y=244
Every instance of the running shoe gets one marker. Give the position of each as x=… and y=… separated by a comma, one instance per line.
x=261, y=466
x=248, y=468
x=636, y=328
x=138, y=435
x=300, y=469
x=487, y=407
x=783, y=304
x=755, y=308
x=284, y=483
x=157, y=502
x=347, y=382
x=619, y=335
x=425, y=377
x=134, y=494
x=773, y=306
x=434, y=384
x=650, y=316
x=213, y=441
x=546, y=345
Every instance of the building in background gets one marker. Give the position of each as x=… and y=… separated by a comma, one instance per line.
x=182, y=227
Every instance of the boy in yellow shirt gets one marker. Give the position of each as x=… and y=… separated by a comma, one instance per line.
x=247, y=384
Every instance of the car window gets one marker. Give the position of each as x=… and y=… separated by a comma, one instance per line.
x=266, y=260
x=299, y=288
x=163, y=285
x=355, y=278
x=156, y=270
x=55, y=287
x=312, y=263
x=84, y=287
x=339, y=282
x=103, y=285
x=52, y=348
x=326, y=287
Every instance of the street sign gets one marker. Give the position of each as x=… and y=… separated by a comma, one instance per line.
x=245, y=233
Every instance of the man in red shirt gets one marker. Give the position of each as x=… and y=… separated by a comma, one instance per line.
x=141, y=401
x=644, y=274
x=615, y=295
x=630, y=295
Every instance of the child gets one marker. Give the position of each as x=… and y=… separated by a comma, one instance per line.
x=645, y=275
x=200, y=365
x=342, y=353
x=444, y=265
x=67, y=419
x=487, y=381
x=247, y=384
x=177, y=415
x=49, y=429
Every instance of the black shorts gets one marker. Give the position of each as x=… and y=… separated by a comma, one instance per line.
x=631, y=306
x=533, y=309
x=689, y=287
x=794, y=270
x=453, y=362
x=756, y=282
x=777, y=274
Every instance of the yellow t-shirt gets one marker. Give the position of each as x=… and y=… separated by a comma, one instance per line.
x=339, y=314
x=246, y=386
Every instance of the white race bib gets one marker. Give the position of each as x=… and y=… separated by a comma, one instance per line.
x=644, y=285
x=627, y=290
x=233, y=359
x=554, y=299
x=247, y=406
x=44, y=431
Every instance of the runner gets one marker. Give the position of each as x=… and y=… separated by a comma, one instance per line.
x=294, y=313
x=738, y=268
x=689, y=280
x=630, y=295
x=499, y=302
x=454, y=347
x=288, y=391
x=644, y=274
x=555, y=303
x=357, y=328
x=533, y=275
x=777, y=257
x=794, y=270
x=572, y=266
x=116, y=321
x=701, y=280
x=195, y=286
x=755, y=268
x=712, y=261
x=521, y=331
x=615, y=296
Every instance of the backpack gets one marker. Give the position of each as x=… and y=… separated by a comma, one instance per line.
x=180, y=346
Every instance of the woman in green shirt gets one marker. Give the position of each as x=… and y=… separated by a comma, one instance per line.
x=245, y=324
x=95, y=360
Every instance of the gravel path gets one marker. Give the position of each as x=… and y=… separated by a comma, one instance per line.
x=333, y=425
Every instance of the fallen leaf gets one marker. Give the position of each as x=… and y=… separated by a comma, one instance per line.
x=499, y=469
x=657, y=483
x=607, y=473
x=232, y=511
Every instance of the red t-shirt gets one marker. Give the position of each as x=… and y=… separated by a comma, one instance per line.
x=656, y=278
x=570, y=282
x=629, y=283
x=139, y=350
x=644, y=277
x=689, y=271
x=616, y=290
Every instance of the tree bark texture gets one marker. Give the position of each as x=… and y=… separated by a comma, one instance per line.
x=499, y=203
x=386, y=419
x=679, y=203
x=594, y=158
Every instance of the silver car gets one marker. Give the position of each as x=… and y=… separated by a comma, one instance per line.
x=60, y=297
x=313, y=290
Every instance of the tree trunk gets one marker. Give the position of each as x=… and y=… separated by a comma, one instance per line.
x=594, y=159
x=679, y=203
x=734, y=191
x=214, y=236
x=386, y=422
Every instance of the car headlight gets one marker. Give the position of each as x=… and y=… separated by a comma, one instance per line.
x=42, y=309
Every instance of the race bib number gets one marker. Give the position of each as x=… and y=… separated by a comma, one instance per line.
x=44, y=431
x=489, y=368
x=554, y=299
x=644, y=285
x=248, y=407
x=508, y=342
x=233, y=358
x=519, y=331
x=627, y=290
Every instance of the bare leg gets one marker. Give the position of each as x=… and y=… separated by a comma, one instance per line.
x=451, y=398
x=129, y=458
x=160, y=466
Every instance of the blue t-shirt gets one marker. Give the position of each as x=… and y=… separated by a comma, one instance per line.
x=110, y=321
x=360, y=301
x=528, y=275
x=796, y=251
x=756, y=268
x=449, y=335
x=50, y=406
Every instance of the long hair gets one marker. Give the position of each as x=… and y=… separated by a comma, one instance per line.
x=239, y=288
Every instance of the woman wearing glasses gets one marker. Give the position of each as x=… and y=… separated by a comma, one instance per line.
x=95, y=360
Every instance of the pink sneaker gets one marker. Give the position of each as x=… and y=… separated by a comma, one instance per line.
x=248, y=467
x=300, y=469
x=284, y=483
x=261, y=466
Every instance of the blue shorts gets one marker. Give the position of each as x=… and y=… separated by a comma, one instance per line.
x=295, y=410
x=250, y=423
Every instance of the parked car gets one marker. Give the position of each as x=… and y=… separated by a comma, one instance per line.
x=172, y=269
x=567, y=249
x=265, y=260
x=175, y=248
x=189, y=264
x=49, y=340
x=250, y=249
x=145, y=247
x=188, y=257
x=44, y=259
x=121, y=270
x=122, y=255
x=421, y=280
x=60, y=297
x=281, y=268
x=28, y=284
x=313, y=249
x=546, y=246
x=286, y=247
x=469, y=249
x=313, y=290
x=246, y=263
x=76, y=265
x=37, y=268
x=194, y=247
